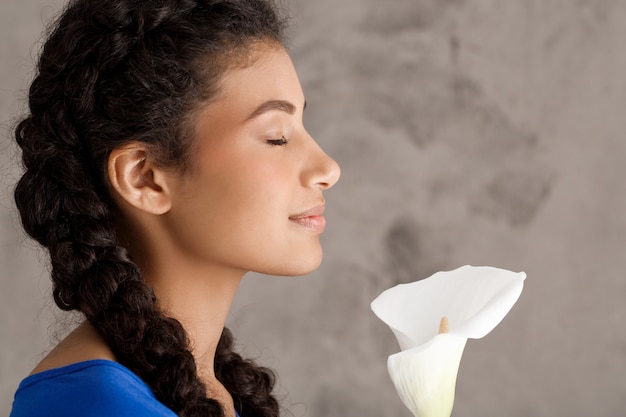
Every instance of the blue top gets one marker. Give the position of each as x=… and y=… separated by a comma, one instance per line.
x=94, y=388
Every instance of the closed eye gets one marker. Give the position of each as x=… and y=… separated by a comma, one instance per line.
x=277, y=142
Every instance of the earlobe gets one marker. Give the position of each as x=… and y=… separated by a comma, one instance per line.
x=137, y=181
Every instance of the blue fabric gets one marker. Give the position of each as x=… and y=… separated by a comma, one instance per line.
x=95, y=388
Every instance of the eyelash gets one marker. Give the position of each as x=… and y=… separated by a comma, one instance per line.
x=277, y=142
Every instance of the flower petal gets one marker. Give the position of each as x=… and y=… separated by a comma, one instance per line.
x=425, y=376
x=475, y=300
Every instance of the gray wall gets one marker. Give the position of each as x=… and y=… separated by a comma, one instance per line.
x=481, y=132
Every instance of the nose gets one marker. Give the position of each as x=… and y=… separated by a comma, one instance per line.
x=322, y=170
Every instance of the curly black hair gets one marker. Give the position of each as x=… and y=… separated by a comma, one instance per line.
x=110, y=72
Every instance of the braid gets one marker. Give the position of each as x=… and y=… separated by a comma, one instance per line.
x=250, y=385
x=94, y=275
x=114, y=71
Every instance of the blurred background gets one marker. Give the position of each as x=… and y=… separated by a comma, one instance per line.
x=469, y=132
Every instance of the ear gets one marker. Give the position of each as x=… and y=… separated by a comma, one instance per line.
x=136, y=180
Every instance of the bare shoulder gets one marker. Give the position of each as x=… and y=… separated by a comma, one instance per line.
x=82, y=344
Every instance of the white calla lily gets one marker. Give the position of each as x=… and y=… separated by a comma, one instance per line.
x=432, y=320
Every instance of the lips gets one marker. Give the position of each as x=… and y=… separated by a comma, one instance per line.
x=311, y=219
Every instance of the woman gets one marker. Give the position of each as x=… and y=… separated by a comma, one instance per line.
x=164, y=157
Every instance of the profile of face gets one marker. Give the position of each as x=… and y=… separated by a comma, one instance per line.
x=252, y=199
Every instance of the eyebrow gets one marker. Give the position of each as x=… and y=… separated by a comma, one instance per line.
x=274, y=105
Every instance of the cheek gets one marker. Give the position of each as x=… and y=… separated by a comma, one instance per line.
x=257, y=183
x=230, y=200
x=237, y=213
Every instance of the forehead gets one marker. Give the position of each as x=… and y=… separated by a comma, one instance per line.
x=268, y=74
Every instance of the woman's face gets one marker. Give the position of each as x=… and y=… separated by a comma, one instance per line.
x=252, y=199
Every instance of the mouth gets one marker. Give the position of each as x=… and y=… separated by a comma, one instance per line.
x=311, y=219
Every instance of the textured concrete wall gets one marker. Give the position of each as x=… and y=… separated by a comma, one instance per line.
x=480, y=132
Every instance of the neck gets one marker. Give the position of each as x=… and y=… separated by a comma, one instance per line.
x=200, y=299
x=194, y=291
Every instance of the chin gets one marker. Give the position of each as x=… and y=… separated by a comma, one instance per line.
x=296, y=266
